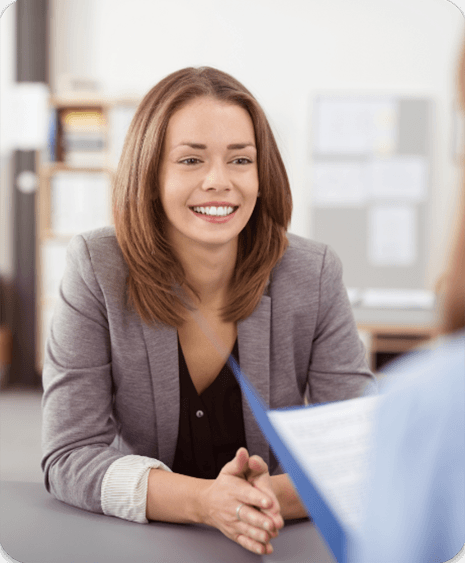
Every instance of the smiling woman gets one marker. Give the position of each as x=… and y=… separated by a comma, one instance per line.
x=142, y=417
x=190, y=125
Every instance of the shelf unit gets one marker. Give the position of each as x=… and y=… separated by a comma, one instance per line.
x=55, y=175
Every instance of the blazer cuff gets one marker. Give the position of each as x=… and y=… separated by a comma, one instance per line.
x=124, y=487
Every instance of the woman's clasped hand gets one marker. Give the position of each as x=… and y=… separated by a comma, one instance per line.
x=240, y=502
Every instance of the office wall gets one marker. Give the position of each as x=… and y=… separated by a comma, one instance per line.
x=285, y=52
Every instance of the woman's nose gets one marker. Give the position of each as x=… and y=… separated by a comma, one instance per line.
x=217, y=178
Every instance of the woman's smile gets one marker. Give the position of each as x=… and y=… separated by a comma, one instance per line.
x=215, y=212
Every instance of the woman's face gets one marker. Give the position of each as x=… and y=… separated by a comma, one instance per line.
x=208, y=173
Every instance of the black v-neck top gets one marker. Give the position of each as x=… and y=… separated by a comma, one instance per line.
x=211, y=425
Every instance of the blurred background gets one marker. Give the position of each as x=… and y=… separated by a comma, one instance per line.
x=361, y=96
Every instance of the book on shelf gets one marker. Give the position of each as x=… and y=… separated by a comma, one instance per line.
x=325, y=449
x=85, y=159
x=90, y=141
x=83, y=137
x=51, y=151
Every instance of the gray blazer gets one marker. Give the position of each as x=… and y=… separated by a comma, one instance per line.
x=111, y=382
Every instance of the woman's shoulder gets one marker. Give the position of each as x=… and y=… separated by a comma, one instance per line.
x=98, y=242
x=301, y=246
x=105, y=236
x=98, y=249
x=307, y=256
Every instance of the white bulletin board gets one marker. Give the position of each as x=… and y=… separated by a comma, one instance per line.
x=370, y=186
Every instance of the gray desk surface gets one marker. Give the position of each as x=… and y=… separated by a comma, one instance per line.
x=37, y=528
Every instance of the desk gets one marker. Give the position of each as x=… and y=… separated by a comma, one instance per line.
x=37, y=528
x=390, y=332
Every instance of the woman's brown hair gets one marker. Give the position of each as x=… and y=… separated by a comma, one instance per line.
x=155, y=275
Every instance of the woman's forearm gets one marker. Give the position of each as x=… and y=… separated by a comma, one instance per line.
x=172, y=497
x=289, y=501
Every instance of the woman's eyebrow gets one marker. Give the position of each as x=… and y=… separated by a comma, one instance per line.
x=192, y=145
x=200, y=146
x=239, y=146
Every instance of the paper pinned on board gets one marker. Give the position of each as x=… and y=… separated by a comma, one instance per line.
x=355, y=126
x=392, y=235
x=400, y=178
x=340, y=184
x=384, y=115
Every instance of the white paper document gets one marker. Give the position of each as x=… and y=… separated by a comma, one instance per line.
x=385, y=116
x=399, y=178
x=340, y=184
x=332, y=443
x=392, y=235
x=355, y=126
x=79, y=202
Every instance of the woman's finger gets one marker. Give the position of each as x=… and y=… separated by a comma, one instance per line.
x=238, y=466
x=259, y=520
x=257, y=534
x=258, y=475
x=254, y=546
x=257, y=467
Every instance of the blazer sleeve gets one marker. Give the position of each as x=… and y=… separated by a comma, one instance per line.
x=78, y=427
x=338, y=365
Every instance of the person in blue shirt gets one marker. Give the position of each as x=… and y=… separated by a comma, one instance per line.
x=416, y=503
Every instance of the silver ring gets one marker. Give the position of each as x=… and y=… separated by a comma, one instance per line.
x=238, y=510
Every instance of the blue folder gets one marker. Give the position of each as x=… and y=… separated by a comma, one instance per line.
x=326, y=521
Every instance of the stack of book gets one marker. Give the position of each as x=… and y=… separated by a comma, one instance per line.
x=83, y=140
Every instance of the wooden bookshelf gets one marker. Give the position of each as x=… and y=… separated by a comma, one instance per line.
x=54, y=168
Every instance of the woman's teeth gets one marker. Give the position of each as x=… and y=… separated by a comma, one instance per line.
x=214, y=211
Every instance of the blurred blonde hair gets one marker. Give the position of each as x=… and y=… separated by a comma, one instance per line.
x=454, y=279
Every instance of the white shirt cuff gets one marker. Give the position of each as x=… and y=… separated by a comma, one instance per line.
x=124, y=487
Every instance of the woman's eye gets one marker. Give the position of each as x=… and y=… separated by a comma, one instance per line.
x=190, y=161
x=242, y=161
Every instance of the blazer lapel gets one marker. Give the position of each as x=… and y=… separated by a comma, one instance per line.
x=162, y=350
x=254, y=360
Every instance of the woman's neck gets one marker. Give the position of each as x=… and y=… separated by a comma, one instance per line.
x=209, y=271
